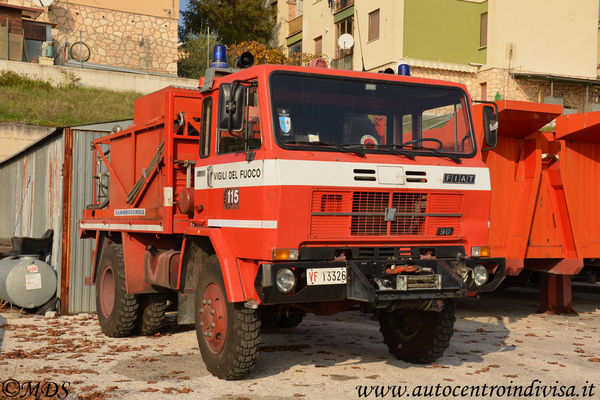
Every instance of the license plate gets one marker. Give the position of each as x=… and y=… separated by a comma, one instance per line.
x=326, y=276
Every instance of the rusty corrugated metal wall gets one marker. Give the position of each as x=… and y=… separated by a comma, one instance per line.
x=31, y=194
x=34, y=184
x=81, y=298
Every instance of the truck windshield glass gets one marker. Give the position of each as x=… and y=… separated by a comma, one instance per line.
x=325, y=112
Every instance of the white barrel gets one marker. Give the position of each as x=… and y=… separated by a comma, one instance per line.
x=26, y=281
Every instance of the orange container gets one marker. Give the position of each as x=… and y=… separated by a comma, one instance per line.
x=543, y=206
x=517, y=215
x=578, y=139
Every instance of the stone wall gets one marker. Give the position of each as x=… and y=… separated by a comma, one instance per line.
x=499, y=82
x=115, y=38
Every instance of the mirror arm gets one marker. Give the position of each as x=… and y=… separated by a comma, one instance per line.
x=232, y=109
x=496, y=111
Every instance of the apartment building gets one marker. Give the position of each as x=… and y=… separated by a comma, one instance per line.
x=130, y=35
x=535, y=50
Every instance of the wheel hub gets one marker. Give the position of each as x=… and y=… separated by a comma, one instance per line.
x=410, y=324
x=213, y=317
x=107, y=292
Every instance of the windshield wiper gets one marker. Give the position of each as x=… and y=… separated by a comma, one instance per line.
x=438, y=153
x=396, y=149
x=338, y=147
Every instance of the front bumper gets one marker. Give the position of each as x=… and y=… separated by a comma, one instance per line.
x=368, y=281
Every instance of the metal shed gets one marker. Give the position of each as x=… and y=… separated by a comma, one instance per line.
x=46, y=186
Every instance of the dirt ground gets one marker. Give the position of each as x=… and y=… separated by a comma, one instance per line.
x=499, y=340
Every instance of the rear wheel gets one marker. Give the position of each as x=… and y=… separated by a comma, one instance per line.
x=117, y=310
x=151, y=314
x=228, y=334
x=418, y=336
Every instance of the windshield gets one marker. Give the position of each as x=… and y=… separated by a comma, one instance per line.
x=338, y=114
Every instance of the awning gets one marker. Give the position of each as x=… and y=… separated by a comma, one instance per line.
x=556, y=78
x=28, y=12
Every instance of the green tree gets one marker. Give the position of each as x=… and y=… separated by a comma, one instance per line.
x=194, y=55
x=234, y=21
x=267, y=55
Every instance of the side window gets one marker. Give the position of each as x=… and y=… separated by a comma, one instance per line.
x=249, y=138
x=206, y=125
x=444, y=124
x=253, y=120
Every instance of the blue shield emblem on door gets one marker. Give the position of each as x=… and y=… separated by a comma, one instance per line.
x=285, y=124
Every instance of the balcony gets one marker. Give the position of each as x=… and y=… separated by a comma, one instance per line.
x=344, y=62
x=341, y=4
x=295, y=25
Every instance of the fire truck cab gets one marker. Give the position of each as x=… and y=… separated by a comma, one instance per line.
x=274, y=191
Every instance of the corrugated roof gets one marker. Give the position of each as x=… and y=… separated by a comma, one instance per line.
x=103, y=126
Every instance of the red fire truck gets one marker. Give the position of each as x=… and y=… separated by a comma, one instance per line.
x=273, y=191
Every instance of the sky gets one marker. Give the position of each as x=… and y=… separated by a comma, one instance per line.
x=183, y=4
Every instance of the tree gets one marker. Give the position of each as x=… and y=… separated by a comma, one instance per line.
x=234, y=21
x=194, y=55
x=267, y=55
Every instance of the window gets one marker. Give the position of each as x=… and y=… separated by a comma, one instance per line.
x=343, y=56
x=319, y=46
x=374, y=25
x=483, y=30
x=295, y=49
x=446, y=128
x=344, y=26
x=274, y=10
x=332, y=114
x=249, y=137
x=206, y=124
x=483, y=87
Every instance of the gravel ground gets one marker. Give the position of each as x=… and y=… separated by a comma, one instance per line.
x=498, y=340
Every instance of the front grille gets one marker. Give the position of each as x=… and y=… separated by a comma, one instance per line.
x=339, y=214
x=409, y=203
x=370, y=204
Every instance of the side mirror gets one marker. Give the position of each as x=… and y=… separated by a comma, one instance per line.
x=232, y=102
x=490, y=127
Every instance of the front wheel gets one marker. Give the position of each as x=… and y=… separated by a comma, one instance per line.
x=418, y=336
x=228, y=334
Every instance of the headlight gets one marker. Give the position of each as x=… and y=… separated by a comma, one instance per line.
x=286, y=280
x=480, y=275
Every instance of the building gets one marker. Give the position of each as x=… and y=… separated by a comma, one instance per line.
x=535, y=50
x=46, y=186
x=113, y=34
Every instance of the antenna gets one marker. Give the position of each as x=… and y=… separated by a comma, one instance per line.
x=359, y=38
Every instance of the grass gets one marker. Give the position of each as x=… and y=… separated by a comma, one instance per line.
x=35, y=102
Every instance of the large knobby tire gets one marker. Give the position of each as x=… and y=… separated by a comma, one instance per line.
x=228, y=334
x=117, y=310
x=418, y=336
x=151, y=314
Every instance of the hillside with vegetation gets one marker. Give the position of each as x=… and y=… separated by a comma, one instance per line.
x=36, y=102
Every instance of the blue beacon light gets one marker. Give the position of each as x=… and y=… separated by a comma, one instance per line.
x=219, y=59
x=404, y=69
